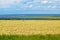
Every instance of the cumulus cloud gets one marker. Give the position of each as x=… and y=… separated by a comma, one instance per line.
x=8, y=3
x=53, y=7
x=27, y=3
x=36, y=1
x=44, y=1
x=30, y=6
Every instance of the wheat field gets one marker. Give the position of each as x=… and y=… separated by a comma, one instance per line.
x=29, y=27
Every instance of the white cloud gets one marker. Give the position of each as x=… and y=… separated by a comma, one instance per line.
x=44, y=1
x=49, y=6
x=8, y=3
x=27, y=3
x=52, y=7
x=30, y=6
x=36, y=1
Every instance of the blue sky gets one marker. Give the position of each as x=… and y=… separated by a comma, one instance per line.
x=29, y=6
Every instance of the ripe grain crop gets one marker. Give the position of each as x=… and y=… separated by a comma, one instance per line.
x=29, y=27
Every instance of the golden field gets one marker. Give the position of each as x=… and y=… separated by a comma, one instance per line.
x=29, y=27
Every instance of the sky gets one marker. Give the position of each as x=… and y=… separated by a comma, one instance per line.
x=29, y=6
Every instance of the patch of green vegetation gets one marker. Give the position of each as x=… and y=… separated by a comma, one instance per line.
x=33, y=18
x=30, y=37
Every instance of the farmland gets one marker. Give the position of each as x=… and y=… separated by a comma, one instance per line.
x=29, y=27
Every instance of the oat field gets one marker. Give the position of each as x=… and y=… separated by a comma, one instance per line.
x=29, y=27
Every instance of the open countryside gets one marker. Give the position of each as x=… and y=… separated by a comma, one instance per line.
x=29, y=27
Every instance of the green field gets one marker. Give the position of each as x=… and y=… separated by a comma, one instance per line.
x=32, y=18
x=30, y=37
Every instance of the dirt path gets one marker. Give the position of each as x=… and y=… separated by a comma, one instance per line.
x=28, y=27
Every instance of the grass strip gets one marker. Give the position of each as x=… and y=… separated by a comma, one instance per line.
x=30, y=37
